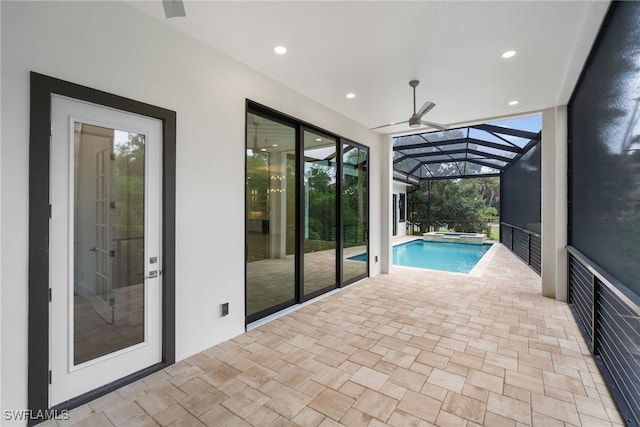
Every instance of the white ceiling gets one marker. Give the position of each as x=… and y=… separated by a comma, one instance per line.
x=373, y=49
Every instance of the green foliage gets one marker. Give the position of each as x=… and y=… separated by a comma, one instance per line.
x=128, y=209
x=465, y=205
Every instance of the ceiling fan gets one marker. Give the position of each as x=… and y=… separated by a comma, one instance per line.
x=173, y=8
x=416, y=118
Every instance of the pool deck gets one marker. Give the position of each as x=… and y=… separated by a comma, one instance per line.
x=409, y=348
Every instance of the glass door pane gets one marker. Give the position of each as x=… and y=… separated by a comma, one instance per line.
x=270, y=216
x=109, y=212
x=319, y=208
x=354, y=212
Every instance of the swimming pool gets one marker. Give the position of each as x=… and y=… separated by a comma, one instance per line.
x=445, y=256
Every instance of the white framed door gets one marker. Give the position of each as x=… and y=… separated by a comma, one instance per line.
x=105, y=246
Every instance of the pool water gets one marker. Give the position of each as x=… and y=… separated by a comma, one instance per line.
x=456, y=257
x=445, y=256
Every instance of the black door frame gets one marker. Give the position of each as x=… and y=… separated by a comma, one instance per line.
x=42, y=88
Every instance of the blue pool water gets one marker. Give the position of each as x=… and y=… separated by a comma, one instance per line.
x=445, y=256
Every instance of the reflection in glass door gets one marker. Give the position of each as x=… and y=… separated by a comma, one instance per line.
x=109, y=240
x=354, y=212
x=319, y=224
x=270, y=216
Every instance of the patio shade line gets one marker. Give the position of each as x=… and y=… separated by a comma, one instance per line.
x=511, y=147
x=507, y=131
x=450, y=152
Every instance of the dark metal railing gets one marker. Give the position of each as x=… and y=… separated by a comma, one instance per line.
x=609, y=317
x=526, y=244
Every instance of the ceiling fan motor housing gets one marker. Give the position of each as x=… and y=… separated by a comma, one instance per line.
x=414, y=121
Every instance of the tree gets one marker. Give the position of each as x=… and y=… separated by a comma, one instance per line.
x=458, y=204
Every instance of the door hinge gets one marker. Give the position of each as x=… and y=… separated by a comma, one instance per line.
x=49, y=294
x=50, y=375
x=112, y=253
x=50, y=128
x=50, y=211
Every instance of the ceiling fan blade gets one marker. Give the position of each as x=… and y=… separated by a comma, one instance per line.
x=434, y=125
x=173, y=8
x=389, y=124
x=426, y=107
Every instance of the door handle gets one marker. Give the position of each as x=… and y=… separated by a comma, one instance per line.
x=152, y=274
x=93, y=249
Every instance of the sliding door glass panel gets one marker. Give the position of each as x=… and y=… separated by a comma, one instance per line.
x=354, y=212
x=270, y=216
x=319, y=209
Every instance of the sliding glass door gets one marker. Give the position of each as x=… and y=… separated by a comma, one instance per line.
x=306, y=212
x=355, y=214
x=319, y=207
x=270, y=215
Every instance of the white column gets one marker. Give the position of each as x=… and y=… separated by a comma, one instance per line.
x=386, y=189
x=554, y=203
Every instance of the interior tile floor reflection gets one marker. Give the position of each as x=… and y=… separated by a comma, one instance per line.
x=101, y=327
x=271, y=281
x=411, y=348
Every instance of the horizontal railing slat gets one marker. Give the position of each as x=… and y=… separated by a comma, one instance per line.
x=594, y=295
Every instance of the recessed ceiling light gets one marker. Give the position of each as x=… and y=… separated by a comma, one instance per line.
x=263, y=149
x=509, y=54
x=351, y=95
x=318, y=139
x=274, y=145
x=513, y=102
x=280, y=50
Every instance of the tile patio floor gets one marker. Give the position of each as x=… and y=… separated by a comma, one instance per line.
x=406, y=349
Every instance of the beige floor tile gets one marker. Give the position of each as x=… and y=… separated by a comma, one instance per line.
x=220, y=416
x=94, y=420
x=369, y=378
x=509, y=408
x=145, y=420
x=446, y=380
x=245, y=402
x=365, y=358
x=331, y=403
x=464, y=407
x=419, y=405
x=485, y=381
x=445, y=419
x=526, y=382
x=172, y=414
x=555, y=408
x=284, y=400
x=123, y=412
x=401, y=418
x=410, y=348
x=408, y=379
x=159, y=398
x=495, y=420
x=355, y=418
x=375, y=404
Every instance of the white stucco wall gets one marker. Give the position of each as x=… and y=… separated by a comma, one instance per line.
x=116, y=48
x=400, y=188
x=554, y=211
